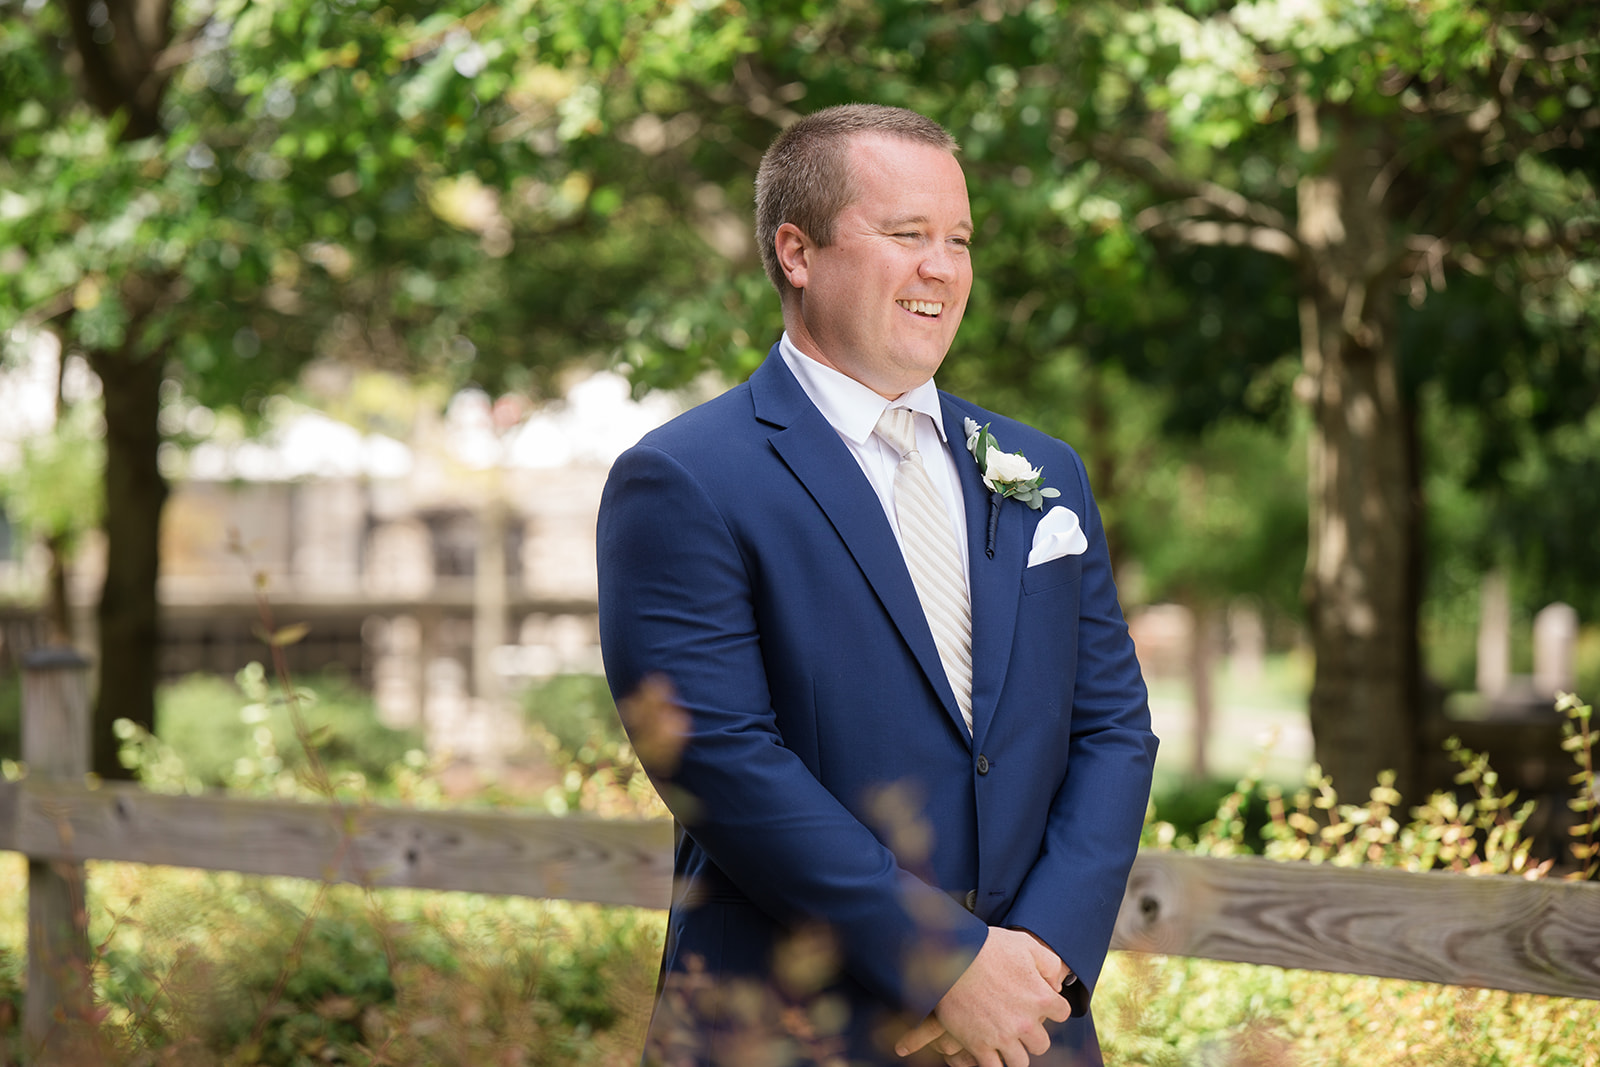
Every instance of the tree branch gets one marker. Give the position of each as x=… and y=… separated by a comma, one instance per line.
x=184, y=47
x=1236, y=234
x=1147, y=162
x=59, y=306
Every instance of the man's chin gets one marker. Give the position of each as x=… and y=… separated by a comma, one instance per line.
x=913, y=369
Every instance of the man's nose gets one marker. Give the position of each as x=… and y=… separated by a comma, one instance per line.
x=939, y=264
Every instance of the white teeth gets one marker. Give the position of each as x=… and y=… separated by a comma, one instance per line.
x=921, y=307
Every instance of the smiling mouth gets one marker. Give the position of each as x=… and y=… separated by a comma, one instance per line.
x=926, y=308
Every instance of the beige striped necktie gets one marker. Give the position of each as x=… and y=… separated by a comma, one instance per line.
x=932, y=555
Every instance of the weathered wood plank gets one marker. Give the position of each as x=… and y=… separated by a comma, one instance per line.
x=55, y=745
x=573, y=858
x=1493, y=932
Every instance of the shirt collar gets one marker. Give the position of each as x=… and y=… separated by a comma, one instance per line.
x=850, y=407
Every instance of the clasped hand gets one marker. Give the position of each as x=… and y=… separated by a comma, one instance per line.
x=994, y=1014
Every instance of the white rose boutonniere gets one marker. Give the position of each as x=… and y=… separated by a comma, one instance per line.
x=1006, y=473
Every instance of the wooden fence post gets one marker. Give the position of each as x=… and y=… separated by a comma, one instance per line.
x=55, y=746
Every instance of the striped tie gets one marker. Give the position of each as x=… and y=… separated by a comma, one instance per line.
x=932, y=555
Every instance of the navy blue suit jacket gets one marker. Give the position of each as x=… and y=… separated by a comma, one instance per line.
x=833, y=806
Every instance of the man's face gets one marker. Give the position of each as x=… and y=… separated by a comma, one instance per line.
x=882, y=303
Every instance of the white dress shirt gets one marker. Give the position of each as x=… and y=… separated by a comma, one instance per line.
x=853, y=410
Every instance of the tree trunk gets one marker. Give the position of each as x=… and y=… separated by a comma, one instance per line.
x=1204, y=644
x=1102, y=461
x=1360, y=582
x=122, y=70
x=129, y=614
x=58, y=611
x=119, y=52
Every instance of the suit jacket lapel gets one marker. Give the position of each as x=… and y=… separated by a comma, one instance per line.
x=997, y=581
x=811, y=448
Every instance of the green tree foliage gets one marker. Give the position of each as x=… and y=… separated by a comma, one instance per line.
x=54, y=492
x=1189, y=213
x=216, y=195
x=1337, y=205
x=1423, y=174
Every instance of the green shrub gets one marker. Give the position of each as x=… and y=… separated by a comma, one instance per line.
x=290, y=985
x=244, y=733
x=237, y=970
x=576, y=721
x=1188, y=807
x=576, y=709
x=1172, y=1011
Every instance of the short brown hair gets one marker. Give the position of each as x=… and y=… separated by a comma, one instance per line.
x=805, y=176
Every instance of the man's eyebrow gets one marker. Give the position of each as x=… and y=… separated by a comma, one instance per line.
x=921, y=220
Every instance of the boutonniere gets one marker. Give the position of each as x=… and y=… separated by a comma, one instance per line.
x=1006, y=474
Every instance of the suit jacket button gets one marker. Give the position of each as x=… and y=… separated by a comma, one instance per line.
x=983, y=764
x=972, y=900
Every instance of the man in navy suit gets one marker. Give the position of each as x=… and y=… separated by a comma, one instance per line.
x=907, y=809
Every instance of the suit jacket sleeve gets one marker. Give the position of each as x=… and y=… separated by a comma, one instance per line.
x=1071, y=896
x=676, y=600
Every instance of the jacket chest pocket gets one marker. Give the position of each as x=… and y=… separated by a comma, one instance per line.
x=1050, y=575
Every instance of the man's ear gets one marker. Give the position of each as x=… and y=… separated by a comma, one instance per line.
x=794, y=253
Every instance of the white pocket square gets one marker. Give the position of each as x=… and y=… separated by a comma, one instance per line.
x=1058, y=534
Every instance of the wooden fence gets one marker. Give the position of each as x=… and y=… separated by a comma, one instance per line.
x=1493, y=932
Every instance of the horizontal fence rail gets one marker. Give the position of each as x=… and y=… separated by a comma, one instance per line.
x=1490, y=931
x=605, y=861
x=1495, y=932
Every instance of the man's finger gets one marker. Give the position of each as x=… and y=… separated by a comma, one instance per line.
x=1060, y=1011
x=1052, y=968
x=1036, y=1041
x=918, y=1036
x=1057, y=973
x=1015, y=1055
x=962, y=1058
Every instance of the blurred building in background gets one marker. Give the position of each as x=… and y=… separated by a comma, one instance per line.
x=442, y=571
